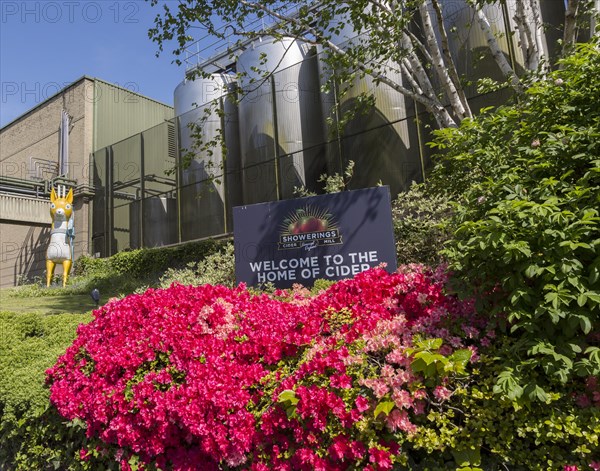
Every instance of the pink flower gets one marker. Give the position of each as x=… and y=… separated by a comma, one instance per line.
x=419, y=407
x=362, y=404
x=381, y=458
x=398, y=420
x=441, y=393
x=570, y=468
x=178, y=375
x=340, y=447
x=340, y=381
x=583, y=401
x=402, y=399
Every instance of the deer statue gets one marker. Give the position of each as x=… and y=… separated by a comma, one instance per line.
x=60, y=249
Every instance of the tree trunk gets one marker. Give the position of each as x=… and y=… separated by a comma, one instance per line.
x=540, y=48
x=526, y=40
x=448, y=58
x=497, y=53
x=438, y=63
x=569, y=35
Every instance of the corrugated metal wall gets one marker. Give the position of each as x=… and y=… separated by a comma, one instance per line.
x=120, y=113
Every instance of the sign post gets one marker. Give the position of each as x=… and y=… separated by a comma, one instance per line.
x=332, y=237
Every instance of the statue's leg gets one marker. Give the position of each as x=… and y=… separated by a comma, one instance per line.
x=49, y=271
x=66, y=269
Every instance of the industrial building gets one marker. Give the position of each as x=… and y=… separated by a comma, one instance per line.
x=53, y=143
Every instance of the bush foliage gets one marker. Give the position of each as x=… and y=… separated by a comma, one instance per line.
x=218, y=376
x=32, y=434
x=379, y=372
x=218, y=268
x=527, y=228
x=420, y=220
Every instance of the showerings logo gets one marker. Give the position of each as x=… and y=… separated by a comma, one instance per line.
x=309, y=227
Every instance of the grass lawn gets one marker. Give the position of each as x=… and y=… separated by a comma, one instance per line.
x=55, y=304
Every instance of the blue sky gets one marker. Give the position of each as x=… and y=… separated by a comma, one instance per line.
x=45, y=45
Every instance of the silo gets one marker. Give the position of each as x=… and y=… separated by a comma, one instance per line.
x=470, y=51
x=387, y=142
x=209, y=181
x=383, y=141
x=281, y=135
x=469, y=47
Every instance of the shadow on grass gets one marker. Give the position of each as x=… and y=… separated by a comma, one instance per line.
x=57, y=304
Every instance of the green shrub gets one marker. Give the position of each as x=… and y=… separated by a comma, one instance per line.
x=218, y=268
x=33, y=435
x=144, y=263
x=129, y=271
x=420, y=225
x=527, y=225
x=480, y=430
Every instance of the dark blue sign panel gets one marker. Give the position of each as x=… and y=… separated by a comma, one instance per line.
x=330, y=237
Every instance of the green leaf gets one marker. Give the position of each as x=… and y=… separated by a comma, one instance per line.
x=288, y=395
x=582, y=299
x=461, y=358
x=384, y=407
x=466, y=458
x=430, y=344
x=418, y=365
x=536, y=393
x=532, y=270
x=585, y=324
x=593, y=296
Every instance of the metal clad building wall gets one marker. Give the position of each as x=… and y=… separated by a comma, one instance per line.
x=122, y=113
x=100, y=223
x=126, y=187
x=159, y=216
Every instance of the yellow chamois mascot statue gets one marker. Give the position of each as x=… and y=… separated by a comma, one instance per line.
x=62, y=234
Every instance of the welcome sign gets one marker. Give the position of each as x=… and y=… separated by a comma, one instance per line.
x=331, y=237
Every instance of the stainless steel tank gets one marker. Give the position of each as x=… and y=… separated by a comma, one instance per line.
x=209, y=180
x=281, y=132
x=469, y=47
x=159, y=222
x=382, y=142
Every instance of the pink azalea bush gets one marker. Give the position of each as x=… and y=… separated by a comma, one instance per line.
x=202, y=378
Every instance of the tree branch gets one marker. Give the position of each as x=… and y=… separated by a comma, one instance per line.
x=434, y=106
x=497, y=53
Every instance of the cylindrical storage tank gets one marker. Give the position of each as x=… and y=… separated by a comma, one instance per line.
x=281, y=138
x=470, y=50
x=209, y=180
x=383, y=141
x=159, y=222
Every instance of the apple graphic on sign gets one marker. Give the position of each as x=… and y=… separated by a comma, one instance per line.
x=313, y=224
x=303, y=222
x=307, y=224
